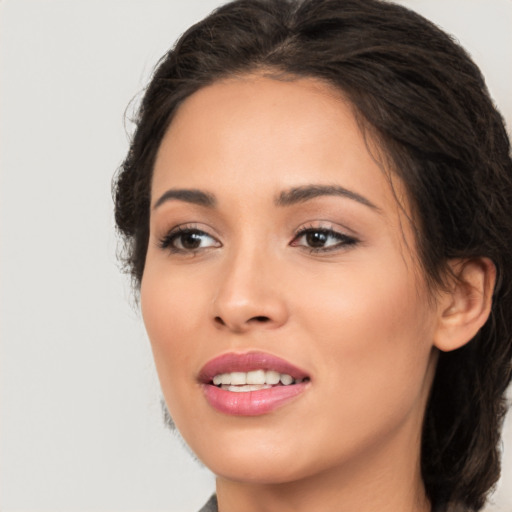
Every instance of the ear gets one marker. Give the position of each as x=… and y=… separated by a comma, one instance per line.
x=465, y=307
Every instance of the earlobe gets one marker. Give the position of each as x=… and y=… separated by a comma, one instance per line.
x=465, y=308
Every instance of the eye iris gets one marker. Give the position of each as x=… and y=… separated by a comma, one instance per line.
x=190, y=240
x=316, y=238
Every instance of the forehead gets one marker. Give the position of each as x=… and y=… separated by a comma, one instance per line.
x=256, y=134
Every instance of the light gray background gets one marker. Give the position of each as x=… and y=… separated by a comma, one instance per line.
x=81, y=423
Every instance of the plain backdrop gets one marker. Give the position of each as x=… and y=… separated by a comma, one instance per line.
x=81, y=424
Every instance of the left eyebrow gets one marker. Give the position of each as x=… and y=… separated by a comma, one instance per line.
x=305, y=193
x=193, y=196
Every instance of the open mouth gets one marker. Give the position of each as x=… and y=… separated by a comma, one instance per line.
x=251, y=383
x=254, y=380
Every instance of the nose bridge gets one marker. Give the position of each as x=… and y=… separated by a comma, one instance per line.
x=248, y=293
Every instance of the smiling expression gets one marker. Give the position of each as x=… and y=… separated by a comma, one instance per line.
x=277, y=245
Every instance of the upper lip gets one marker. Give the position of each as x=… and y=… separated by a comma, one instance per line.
x=247, y=361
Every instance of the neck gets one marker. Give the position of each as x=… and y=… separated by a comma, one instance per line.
x=388, y=480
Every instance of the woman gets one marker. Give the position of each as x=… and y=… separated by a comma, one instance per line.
x=316, y=212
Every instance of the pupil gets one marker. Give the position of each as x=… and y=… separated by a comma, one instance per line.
x=316, y=239
x=191, y=240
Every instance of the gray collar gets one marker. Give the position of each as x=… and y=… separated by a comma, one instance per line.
x=210, y=505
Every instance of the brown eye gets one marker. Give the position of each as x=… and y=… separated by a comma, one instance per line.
x=322, y=240
x=188, y=240
x=316, y=238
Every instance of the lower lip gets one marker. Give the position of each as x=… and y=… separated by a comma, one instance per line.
x=251, y=403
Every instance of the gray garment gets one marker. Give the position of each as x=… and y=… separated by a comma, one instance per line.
x=211, y=505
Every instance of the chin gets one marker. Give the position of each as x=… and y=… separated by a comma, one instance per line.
x=264, y=459
x=258, y=470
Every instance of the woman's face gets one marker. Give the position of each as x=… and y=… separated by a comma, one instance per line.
x=278, y=253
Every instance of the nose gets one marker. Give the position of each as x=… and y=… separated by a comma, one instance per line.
x=249, y=295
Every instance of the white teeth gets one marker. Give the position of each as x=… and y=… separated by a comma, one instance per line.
x=256, y=377
x=247, y=387
x=238, y=378
x=260, y=379
x=286, y=380
x=272, y=377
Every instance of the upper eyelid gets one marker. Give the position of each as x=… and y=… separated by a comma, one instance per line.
x=189, y=226
x=208, y=230
x=184, y=228
x=327, y=225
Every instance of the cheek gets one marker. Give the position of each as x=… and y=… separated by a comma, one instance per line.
x=170, y=309
x=373, y=333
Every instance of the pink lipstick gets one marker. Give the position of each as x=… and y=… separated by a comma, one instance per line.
x=251, y=384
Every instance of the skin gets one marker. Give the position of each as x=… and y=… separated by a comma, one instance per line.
x=356, y=317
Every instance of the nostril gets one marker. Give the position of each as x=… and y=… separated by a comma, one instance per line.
x=261, y=319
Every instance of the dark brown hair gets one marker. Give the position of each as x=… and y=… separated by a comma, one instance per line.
x=426, y=103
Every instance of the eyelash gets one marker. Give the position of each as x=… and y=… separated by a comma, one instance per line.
x=168, y=242
x=343, y=240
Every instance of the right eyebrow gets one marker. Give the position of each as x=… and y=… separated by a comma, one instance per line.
x=188, y=195
x=307, y=192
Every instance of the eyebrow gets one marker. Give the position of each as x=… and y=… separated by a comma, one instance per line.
x=193, y=196
x=305, y=193
x=289, y=197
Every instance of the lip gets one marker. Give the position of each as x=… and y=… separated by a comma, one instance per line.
x=233, y=362
x=250, y=403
